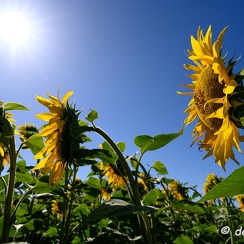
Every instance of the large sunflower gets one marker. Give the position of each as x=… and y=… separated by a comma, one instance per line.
x=57, y=151
x=215, y=98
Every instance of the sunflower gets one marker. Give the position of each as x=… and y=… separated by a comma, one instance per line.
x=179, y=192
x=240, y=200
x=114, y=178
x=4, y=154
x=56, y=153
x=56, y=209
x=4, y=157
x=26, y=131
x=211, y=181
x=216, y=98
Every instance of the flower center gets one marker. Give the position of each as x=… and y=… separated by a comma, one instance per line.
x=208, y=87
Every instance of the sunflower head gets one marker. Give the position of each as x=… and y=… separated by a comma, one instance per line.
x=4, y=157
x=57, y=153
x=217, y=98
x=240, y=200
x=211, y=181
x=56, y=209
x=114, y=178
x=26, y=131
x=179, y=192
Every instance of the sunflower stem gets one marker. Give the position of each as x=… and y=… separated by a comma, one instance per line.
x=9, y=194
x=64, y=224
x=135, y=197
x=70, y=205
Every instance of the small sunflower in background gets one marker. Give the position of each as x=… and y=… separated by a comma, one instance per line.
x=114, y=178
x=179, y=192
x=56, y=209
x=211, y=181
x=4, y=157
x=240, y=200
x=217, y=98
x=56, y=155
x=26, y=131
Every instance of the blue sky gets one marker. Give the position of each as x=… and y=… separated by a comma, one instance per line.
x=125, y=60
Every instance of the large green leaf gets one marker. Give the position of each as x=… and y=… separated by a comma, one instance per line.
x=102, y=154
x=93, y=182
x=35, y=143
x=114, y=207
x=152, y=197
x=233, y=185
x=26, y=177
x=148, y=143
x=14, y=106
x=190, y=207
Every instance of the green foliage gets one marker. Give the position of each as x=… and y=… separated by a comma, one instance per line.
x=114, y=207
x=160, y=168
x=92, y=116
x=35, y=143
x=148, y=143
x=14, y=106
x=117, y=202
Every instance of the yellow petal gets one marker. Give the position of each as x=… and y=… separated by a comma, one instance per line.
x=44, y=116
x=67, y=96
x=48, y=130
x=43, y=101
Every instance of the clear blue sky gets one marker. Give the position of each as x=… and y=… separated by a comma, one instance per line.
x=125, y=60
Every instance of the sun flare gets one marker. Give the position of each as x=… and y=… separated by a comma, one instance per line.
x=14, y=28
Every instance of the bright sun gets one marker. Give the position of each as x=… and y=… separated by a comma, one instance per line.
x=14, y=28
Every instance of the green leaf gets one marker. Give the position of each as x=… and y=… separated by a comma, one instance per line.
x=14, y=106
x=29, y=225
x=102, y=154
x=121, y=145
x=183, y=240
x=21, y=166
x=82, y=123
x=114, y=207
x=190, y=207
x=204, y=228
x=151, y=197
x=27, y=178
x=51, y=232
x=93, y=182
x=160, y=168
x=92, y=116
x=35, y=143
x=231, y=186
x=83, y=208
x=148, y=143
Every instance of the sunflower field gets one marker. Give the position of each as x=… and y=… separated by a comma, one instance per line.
x=122, y=201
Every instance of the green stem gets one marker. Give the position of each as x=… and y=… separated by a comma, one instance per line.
x=9, y=194
x=135, y=197
x=63, y=224
x=230, y=221
x=67, y=228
